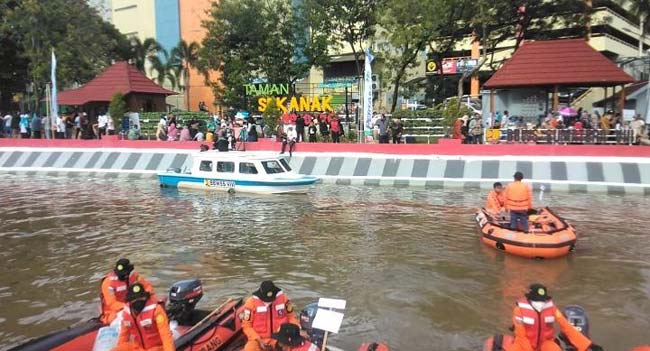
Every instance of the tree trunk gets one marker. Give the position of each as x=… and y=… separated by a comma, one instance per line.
x=396, y=84
x=187, y=88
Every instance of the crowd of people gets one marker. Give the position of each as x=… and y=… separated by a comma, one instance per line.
x=75, y=125
x=471, y=129
x=323, y=127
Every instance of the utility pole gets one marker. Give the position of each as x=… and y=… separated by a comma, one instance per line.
x=641, y=33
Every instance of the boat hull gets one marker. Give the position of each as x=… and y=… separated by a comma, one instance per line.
x=298, y=185
x=221, y=332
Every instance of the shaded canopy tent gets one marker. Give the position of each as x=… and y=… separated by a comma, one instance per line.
x=555, y=64
x=140, y=92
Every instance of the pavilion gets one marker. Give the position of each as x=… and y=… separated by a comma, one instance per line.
x=554, y=64
x=140, y=93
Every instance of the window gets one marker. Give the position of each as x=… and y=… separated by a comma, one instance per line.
x=226, y=167
x=272, y=167
x=285, y=164
x=247, y=168
x=205, y=166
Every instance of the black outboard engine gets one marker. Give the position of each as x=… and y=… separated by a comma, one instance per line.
x=577, y=316
x=307, y=316
x=183, y=297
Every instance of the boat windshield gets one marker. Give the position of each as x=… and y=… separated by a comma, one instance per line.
x=285, y=164
x=272, y=167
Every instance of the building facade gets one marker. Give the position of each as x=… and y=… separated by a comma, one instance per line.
x=169, y=22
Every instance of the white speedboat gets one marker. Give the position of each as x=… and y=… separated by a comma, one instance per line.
x=238, y=172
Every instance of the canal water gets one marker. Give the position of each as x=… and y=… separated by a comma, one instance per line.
x=408, y=261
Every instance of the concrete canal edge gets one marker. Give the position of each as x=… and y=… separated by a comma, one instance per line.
x=619, y=175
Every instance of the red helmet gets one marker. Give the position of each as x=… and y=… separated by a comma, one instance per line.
x=373, y=346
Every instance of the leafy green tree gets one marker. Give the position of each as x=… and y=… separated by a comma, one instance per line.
x=117, y=109
x=83, y=42
x=352, y=22
x=251, y=39
x=406, y=34
x=186, y=56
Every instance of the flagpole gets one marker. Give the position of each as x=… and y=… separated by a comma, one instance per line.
x=48, y=124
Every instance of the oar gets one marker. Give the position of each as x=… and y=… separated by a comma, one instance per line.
x=217, y=310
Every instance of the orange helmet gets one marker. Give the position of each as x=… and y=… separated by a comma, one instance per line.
x=373, y=346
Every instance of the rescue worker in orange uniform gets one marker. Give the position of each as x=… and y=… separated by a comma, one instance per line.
x=373, y=346
x=114, y=288
x=518, y=200
x=145, y=326
x=534, y=318
x=288, y=338
x=495, y=200
x=263, y=314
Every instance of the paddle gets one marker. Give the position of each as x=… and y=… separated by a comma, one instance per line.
x=217, y=310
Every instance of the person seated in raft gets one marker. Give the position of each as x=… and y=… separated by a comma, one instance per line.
x=263, y=314
x=145, y=325
x=495, y=200
x=518, y=200
x=534, y=318
x=288, y=338
x=114, y=289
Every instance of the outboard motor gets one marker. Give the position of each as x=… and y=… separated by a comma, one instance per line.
x=307, y=316
x=183, y=297
x=577, y=316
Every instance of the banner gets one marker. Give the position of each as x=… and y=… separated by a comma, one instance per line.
x=367, y=90
x=54, y=106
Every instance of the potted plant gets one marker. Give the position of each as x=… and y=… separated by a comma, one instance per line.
x=116, y=109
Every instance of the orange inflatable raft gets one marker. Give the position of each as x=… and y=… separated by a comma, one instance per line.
x=548, y=235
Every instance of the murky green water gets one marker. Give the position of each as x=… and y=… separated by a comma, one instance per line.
x=407, y=260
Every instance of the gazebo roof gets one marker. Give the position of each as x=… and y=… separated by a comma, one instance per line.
x=564, y=62
x=119, y=77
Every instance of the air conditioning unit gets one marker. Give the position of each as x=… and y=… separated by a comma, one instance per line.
x=375, y=82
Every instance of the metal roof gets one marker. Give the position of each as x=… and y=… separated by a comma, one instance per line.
x=564, y=62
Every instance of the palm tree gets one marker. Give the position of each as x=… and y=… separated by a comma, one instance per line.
x=144, y=50
x=642, y=8
x=187, y=57
x=163, y=69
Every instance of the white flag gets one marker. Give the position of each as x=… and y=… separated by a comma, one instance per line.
x=367, y=90
x=54, y=106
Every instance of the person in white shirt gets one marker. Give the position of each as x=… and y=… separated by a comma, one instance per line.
x=102, y=121
x=7, y=130
x=289, y=138
x=637, y=125
x=199, y=136
x=110, y=128
x=59, y=128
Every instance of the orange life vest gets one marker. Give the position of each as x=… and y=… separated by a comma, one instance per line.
x=538, y=325
x=142, y=329
x=495, y=201
x=517, y=196
x=119, y=287
x=266, y=320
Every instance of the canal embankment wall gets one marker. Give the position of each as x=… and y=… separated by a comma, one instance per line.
x=568, y=169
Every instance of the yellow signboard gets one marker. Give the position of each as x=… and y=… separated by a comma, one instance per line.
x=302, y=104
x=493, y=135
x=432, y=67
